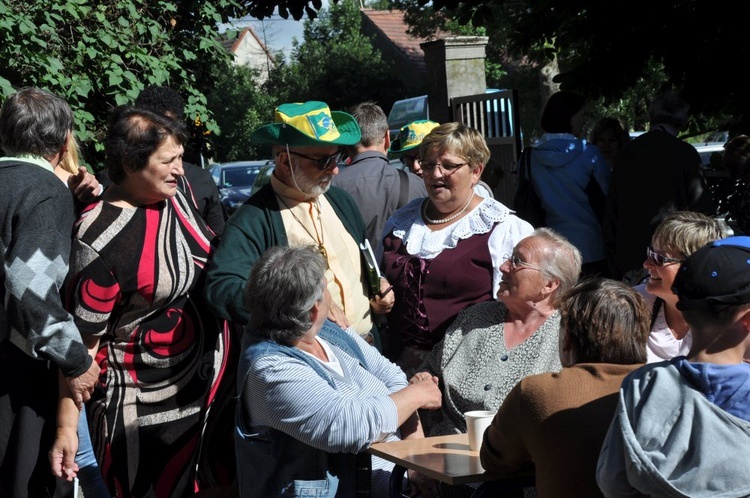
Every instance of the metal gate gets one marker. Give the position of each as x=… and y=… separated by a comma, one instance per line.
x=496, y=116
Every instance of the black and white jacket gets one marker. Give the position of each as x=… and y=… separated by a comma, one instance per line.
x=36, y=220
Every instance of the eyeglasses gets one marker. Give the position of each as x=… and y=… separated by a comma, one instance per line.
x=517, y=263
x=660, y=259
x=323, y=163
x=446, y=169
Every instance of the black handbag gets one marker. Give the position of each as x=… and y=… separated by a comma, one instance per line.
x=526, y=202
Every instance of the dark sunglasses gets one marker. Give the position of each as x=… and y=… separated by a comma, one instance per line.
x=659, y=258
x=323, y=163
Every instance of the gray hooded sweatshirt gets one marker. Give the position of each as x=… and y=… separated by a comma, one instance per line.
x=669, y=440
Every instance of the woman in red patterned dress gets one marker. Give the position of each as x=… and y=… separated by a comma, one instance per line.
x=136, y=287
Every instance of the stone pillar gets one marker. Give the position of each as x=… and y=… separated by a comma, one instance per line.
x=455, y=68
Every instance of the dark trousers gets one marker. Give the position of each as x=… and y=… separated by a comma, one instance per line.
x=28, y=408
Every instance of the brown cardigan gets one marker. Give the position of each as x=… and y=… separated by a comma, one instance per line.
x=557, y=423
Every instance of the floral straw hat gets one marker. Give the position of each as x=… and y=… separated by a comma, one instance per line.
x=411, y=135
x=308, y=124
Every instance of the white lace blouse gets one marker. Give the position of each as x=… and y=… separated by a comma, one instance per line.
x=507, y=230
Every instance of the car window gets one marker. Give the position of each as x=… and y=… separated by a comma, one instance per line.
x=240, y=177
x=216, y=174
x=263, y=177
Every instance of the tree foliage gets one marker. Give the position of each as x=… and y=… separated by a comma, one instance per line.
x=336, y=64
x=98, y=55
x=239, y=106
x=610, y=49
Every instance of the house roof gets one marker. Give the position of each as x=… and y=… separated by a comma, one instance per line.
x=231, y=45
x=391, y=24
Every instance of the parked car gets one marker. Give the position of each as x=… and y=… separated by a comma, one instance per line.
x=235, y=181
x=711, y=154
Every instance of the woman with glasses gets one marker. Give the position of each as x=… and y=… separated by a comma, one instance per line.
x=441, y=253
x=406, y=148
x=491, y=346
x=678, y=236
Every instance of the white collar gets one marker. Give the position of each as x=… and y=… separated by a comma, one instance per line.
x=409, y=226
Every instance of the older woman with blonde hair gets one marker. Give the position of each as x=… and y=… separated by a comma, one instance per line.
x=678, y=236
x=442, y=253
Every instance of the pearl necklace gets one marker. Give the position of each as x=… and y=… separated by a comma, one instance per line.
x=449, y=218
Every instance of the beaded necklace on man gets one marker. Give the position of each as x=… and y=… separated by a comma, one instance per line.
x=318, y=237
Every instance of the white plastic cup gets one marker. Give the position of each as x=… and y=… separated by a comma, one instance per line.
x=477, y=422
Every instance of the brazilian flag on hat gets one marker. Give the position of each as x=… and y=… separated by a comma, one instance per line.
x=308, y=124
x=411, y=135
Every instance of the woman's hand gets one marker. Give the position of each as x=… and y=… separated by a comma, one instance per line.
x=62, y=456
x=84, y=186
x=422, y=376
x=428, y=387
x=383, y=303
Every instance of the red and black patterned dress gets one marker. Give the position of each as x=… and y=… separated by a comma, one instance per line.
x=136, y=280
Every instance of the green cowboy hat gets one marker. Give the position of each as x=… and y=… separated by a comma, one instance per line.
x=308, y=124
x=411, y=135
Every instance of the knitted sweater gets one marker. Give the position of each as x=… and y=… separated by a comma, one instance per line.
x=477, y=371
x=37, y=215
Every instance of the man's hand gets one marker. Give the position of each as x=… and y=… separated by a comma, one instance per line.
x=337, y=315
x=84, y=186
x=383, y=303
x=82, y=386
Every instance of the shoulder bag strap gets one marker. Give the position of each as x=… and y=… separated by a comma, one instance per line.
x=403, y=196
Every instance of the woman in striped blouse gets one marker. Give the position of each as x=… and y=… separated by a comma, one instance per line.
x=311, y=394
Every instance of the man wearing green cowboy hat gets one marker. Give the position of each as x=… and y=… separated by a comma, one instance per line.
x=297, y=208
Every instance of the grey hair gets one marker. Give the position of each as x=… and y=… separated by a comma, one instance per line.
x=283, y=286
x=34, y=121
x=371, y=120
x=561, y=260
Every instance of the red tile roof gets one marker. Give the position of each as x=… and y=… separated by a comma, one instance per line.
x=392, y=26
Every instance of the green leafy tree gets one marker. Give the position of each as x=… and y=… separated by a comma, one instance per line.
x=239, y=106
x=336, y=64
x=98, y=55
x=607, y=50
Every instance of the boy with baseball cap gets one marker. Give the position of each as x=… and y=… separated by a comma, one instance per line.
x=682, y=427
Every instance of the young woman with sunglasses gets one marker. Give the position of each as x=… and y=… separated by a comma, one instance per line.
x=675, y=238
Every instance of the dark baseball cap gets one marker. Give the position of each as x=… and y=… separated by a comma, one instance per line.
x=716, y=275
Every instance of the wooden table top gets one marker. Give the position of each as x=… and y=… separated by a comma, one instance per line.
x=445, y=458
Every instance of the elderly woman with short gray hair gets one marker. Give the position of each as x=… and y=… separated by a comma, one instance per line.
x=312, y=395
x=491, y=346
